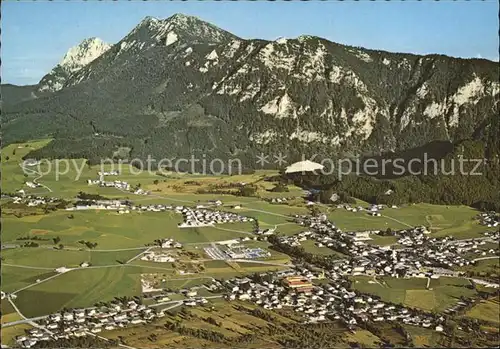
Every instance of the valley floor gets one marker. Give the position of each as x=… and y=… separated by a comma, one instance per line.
x=39, y=240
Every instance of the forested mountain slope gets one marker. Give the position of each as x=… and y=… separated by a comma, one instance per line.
x=179, y=86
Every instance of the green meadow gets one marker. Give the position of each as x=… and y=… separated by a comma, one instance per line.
x=486, y=310
x=442, y=293
x=79, y=288
x=458, y=221
x=111, y=230
x=14, y=278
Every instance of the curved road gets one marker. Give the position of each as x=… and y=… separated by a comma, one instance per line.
x=35, y=180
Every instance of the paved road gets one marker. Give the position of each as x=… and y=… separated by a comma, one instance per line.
x=397, y=220
x=35, y=179
x=37, y=283
x=26, y=320
x=26, y=266
x=234, y=231
x=107, y=340
x=137, y=256
x=17, y=309
x=262, y=262
x=485, y=258
x=267, y=212
x=146, y=197
x=18, y=322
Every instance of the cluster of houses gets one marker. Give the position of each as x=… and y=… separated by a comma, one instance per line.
x=109, y=184
x=31, y=162
x=416, y=254
x=33, y=185
x=295, y=289
x=490, y=219
x=157, y=257
x=169, y=243
x=372, y=210
x=458, y=307
x=494, y=235
x=32, y=201
x=83, y=322
x=203, y=217
x=117, y=205
x=194, y=301
x=243, y=252
x=445, y=252
x=193, y=217
x=265, y=232
x=90, y=321
x=121, y=185
x=215, y=202
x=281, y=200
x=233, y=250
x=140, y=191
x=108, y=173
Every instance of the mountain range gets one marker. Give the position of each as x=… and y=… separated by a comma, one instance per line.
x=180, y=86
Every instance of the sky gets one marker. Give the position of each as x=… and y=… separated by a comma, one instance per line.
x=36, y=35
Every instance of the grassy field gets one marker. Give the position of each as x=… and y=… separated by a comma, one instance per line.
x=233, y=320
x=8, y=334
x=12, y=175
x=349, y=221
x=14, y=278
x=269, y=214
x=51, y=258
x=311, y=247
x=84, y=287
x=79, y=288
x=364, y=338
x=441, y=294
x=65, y=177
x=179, y=284
x=458, y=221
x=491, y=266
x=233, y=324
x=423, y=337
x=486, y=310
x=9, y=314
x=114, y=231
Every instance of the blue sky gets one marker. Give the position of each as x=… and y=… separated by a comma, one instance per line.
x=36, y=35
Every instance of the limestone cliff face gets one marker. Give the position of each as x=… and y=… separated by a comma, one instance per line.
x=75, y=59
x=187, y=86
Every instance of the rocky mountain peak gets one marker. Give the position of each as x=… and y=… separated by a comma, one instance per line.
x=84, y=53
x=152, y=31
x=75, y=59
